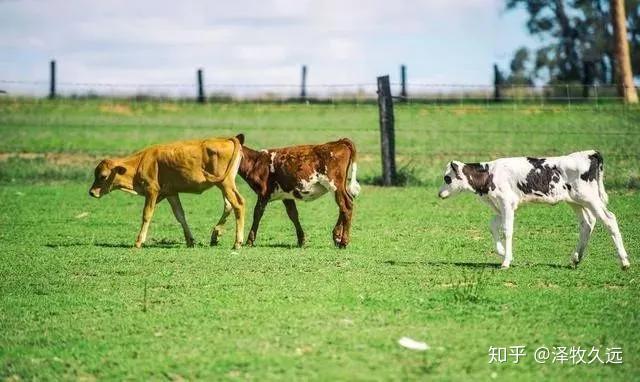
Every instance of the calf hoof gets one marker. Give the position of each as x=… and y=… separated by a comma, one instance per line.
x=341, y=244
x=190, y=244
x=575, y=260
x=237, y=246
x=301, y=243
x=504, y=266
x=138, y=245
x=625, y=265
x=214, y=238
x=249, y=243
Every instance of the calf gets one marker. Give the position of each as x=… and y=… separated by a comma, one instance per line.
x=164, y=171
x=300, y=173
x=506, y=183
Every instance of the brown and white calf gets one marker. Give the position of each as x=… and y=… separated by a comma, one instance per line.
x=301, y=173
x=164, y=171
x=506, y=183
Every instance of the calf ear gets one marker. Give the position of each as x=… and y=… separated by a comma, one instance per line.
x=240, y=137
x=120, y=170
x=454, y=167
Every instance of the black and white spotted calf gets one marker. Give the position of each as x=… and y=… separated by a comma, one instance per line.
x=507, y=182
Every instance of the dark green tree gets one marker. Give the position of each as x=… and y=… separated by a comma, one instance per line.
x=579, y=38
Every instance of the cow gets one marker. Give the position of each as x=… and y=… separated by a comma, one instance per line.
x=505, y=183
x=164, y=171
x=302, y=173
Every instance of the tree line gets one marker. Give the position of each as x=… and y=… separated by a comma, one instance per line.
x=580, y=42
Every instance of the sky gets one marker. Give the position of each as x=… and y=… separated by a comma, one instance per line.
x=256, y=42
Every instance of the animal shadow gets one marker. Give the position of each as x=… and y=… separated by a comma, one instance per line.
x=470, y=265
x=280, y=245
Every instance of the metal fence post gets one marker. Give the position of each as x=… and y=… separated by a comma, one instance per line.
x=201, y=98
x=403, y=83
x=303, y=85
x=52, y=80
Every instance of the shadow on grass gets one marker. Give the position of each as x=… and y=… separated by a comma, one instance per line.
x=159, y=244
x=470, y=264
x=279, y=245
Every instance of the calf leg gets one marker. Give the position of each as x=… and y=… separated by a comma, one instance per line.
x=609, y=220
x=237, y=203
x=343, y=226
x=337, y=230
x=507, y=215
x=147, y=214
x=258, y=210
x=495, y=226
x=217, y=230
x=178, y=212
x=292, y=211
x=587, y=222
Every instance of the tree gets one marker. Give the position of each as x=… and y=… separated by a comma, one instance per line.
x=519, y=73
x=625, y=85
x=579, y=34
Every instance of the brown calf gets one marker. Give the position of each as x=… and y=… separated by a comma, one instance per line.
x=164, y=171
x=302, y=173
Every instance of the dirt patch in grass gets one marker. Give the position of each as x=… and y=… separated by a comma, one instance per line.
x=116, y=108
x=61, y=159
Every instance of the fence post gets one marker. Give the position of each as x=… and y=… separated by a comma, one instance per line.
x=303, y=85
x=52, y=80
x=387, y=134
x=201, y=98
x=587, y=80
x=568, y=96
x=403, y=83
x=497, y=82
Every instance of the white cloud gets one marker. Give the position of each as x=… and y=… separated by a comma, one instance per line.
x=246, y=41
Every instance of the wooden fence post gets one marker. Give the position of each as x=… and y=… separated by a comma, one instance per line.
x=403, y=83
x=52, y=79
x=201, y=97
x=387, y=134
x=303, y=85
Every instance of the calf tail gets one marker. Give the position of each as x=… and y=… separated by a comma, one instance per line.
x=237, y=145
x=600, y=175
x=353, y=188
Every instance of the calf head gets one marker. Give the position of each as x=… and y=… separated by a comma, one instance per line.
x=454, y=182
x=107, y=176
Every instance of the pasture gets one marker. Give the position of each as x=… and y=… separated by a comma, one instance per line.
x=78, y=302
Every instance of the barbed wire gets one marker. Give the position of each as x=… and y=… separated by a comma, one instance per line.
x=310, y=85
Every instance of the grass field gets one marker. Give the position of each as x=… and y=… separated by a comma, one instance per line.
x=77, y=302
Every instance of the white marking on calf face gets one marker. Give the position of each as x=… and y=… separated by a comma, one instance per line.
x=454, y=182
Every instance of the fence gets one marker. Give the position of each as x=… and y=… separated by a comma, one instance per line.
x=355, y=92
x=404, y=91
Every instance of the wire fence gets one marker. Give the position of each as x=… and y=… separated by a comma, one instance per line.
x=319, y=92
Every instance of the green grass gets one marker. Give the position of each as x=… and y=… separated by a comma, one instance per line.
x=77, y=302
x=427, y=136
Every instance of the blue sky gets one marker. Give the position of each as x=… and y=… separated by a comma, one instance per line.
x=249, y=42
